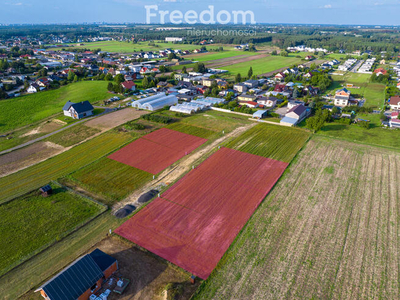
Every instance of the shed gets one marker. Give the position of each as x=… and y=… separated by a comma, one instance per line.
x=46, y=190
x=260, y=114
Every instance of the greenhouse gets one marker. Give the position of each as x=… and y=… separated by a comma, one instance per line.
x=160, y=103
x=140, y=102
x=182, y=109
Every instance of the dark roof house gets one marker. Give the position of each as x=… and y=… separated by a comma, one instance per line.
x=80, y=279
x=78, y=110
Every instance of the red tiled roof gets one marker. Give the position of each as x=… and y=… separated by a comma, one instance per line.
x=128, y=84
x=395, y=100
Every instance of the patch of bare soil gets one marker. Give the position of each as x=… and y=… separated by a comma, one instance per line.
x=115, y=119
x=45, y=127
x=223, y=62
x=19, y=159
x=172, y=173
x=148, y=274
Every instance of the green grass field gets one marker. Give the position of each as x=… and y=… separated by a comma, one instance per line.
x=125, y=47
x=219, y=55
x=32, y=222
x=33, y=177
x=374, y=93
x=73, y=135
x=28, y=109
x=263, y=65
x=215, y=121
x=193, y=130
x=111, y=180
x=272, y=141
x=376, y=135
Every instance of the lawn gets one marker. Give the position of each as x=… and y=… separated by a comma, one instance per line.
x=111, y=180
x=32, y=222
x=125, y=47
x=73, y=135
x=376, y=135
x=328, y=230
x=272, y=141
x=35, y=176
x=263, y=65
x=28, y=109
x=374, y=93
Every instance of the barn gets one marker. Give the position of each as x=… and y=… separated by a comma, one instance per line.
x=81, y=279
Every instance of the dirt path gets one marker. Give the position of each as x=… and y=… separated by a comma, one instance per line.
x=173, y=173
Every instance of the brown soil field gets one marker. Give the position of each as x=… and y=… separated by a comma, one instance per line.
x=45, y=127
x=115, y=119
x=328, y=230
x=230, y=60
x=19, y=159
x=147, y=273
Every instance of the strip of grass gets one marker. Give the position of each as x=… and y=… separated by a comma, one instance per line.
x=263, y=65
x=193, y=130
x=73, y=135
x=110, y=179
x=276, y=142
x=32, y=222
x=33, y=177
x=21, y=111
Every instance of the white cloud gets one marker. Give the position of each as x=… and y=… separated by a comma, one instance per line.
x=327, y=6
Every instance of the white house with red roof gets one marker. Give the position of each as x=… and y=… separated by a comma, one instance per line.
x=394, y=103
x=129, y=85
x=394, y=121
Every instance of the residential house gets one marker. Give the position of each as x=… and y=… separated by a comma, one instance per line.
x=240, y=87
x=129, y=85
x=293, y=103
x=295, y=115
x=251, y=83
x=394, y=121
x=394, y=103
x=245, y=97
x=280, y=76
x=208, y=82
x=251, y=104
x=267, y=101
x=33, y=88
x=81, y=279
x=342, y=97
x=380, y=71
x=78, y=110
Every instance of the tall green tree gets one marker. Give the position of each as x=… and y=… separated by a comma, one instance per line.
x=250, y=72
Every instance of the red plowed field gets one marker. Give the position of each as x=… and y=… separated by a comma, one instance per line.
x=157, y=150
x=196, y=220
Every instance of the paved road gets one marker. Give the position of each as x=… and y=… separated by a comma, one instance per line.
x=54, y=132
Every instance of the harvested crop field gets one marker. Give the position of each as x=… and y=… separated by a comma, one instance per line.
x=276, y=142
x=202, y=213
x=157, y=150
x=115, y=119
x=16, y=160
x=328, y=230
x=191, y=129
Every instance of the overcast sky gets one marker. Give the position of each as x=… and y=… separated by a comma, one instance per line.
x=362, y=12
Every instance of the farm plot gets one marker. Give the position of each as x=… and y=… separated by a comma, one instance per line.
x=280, y=143
x=200, y=216
x=79, y=156
x=32, y=222
x=328, y=230
x=192, y=130
x=109, y=179
x=157, y=150
x=115, y=119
